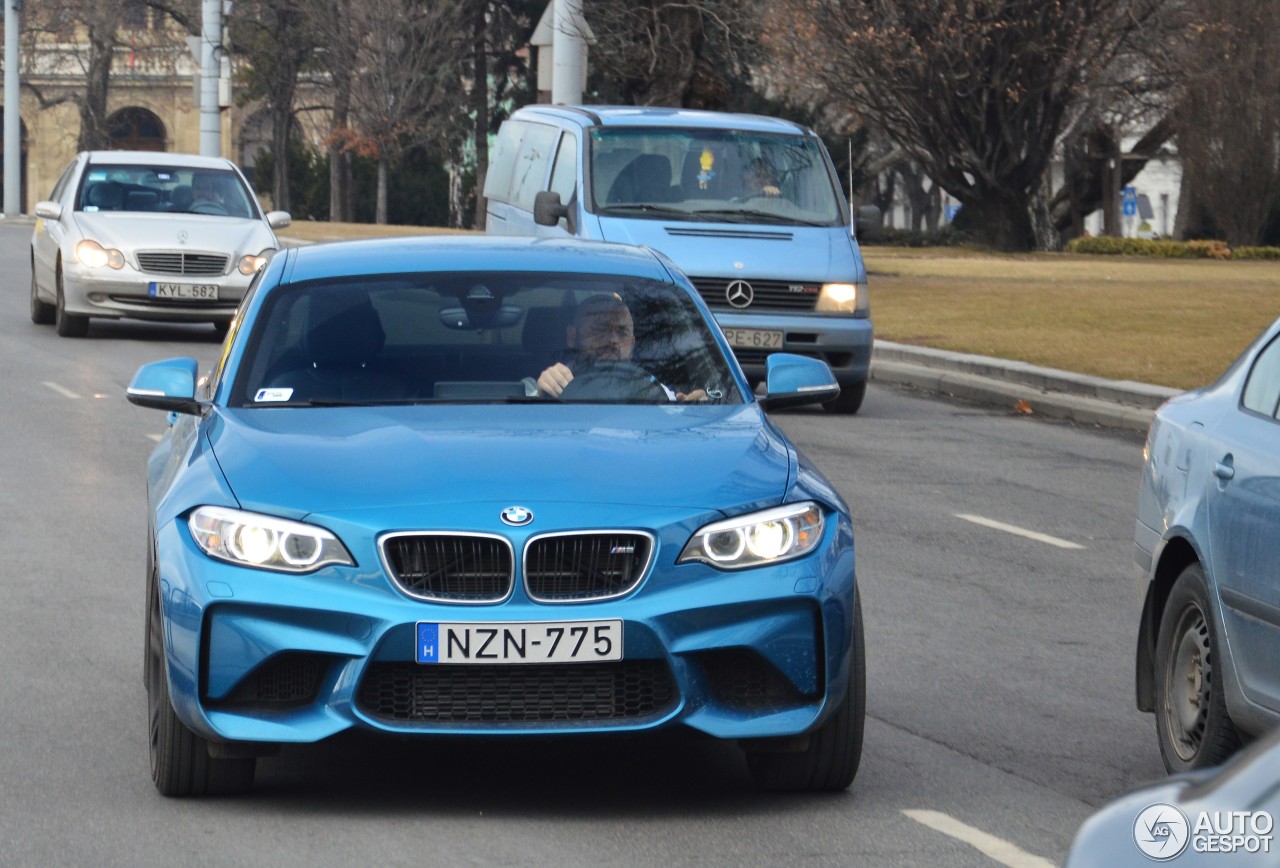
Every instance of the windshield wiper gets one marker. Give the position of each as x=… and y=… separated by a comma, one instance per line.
x=744, y=215
x=654, y=209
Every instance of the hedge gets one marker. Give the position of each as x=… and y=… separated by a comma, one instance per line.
x=1165, y=248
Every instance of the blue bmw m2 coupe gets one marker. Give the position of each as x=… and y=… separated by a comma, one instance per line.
x=465, y=486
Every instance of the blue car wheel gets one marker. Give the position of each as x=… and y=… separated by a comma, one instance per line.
x=828, y=762
x=1192, y=723
x=180, y=760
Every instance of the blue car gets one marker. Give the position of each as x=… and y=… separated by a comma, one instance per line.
x=1208, y=543
x=466, y=486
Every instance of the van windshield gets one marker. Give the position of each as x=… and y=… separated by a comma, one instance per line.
x=711, y=175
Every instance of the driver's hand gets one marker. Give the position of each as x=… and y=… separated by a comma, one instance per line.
x=552, y=381
x=771, y=190
x=697, y=395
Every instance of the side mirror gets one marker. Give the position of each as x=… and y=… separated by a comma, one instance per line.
x=278, y=219
x=168, y=385
x=793, y=381
x=867, y=223
x=48, y=210
x=547, y=211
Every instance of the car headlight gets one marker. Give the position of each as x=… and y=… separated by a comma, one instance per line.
x=843, y=298
x=93, y=255
x=758, y=538
x=250, y=264
x=254, y=540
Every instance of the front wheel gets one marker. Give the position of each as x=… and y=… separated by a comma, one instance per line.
x=42, y=312
x=830, y=761
x=180, y=760
x=850, y=399
x=1192, y=723
x=68, y=325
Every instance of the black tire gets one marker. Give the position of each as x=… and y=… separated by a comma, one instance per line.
x=42, y=312
x=1192, y=723
x=221, y=328
x=66, y=324
x=830, y=762
x=180, y=761
x=850, y=400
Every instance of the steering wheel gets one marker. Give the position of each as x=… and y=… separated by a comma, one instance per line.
x=624, y=382
x=209, y=208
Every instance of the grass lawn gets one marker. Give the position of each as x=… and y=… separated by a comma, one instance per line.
x=1170, y=322
x=1174, y=323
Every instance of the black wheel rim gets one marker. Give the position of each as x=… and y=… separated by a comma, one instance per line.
x=155, y=692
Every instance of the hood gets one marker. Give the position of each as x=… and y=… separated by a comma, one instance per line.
x=143, y=231
x=760, y=251
x=301, y=461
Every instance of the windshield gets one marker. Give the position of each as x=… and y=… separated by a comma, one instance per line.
x=722, y=175
x=481, y=338
x=164, y=189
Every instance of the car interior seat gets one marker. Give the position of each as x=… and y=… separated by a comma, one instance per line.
x=647, y=178
x=544, y=337
x=180, y=198
x=342, y=346
x=105, y=196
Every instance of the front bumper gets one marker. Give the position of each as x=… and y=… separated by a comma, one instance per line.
x=103, y=292
x=263, y=657
x=843, y=342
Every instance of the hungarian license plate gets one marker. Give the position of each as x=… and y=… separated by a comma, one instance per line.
x=755, y=339
x=519, y=642
x=188, y=291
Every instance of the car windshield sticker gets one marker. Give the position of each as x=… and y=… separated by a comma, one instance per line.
x=97, y=176
x=269, y=395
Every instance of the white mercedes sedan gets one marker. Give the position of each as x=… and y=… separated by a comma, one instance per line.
x=147, y=235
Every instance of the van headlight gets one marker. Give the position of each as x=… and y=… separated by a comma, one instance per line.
x=758, y=538
x=843, y=298
x=253, y=540
x=93, y=255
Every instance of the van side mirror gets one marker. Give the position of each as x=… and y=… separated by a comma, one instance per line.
x=548, y=209
x=867, y=224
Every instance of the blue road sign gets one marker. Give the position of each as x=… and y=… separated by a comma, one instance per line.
x=1130, y=207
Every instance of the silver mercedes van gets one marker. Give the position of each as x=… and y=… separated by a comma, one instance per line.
x=748, y=207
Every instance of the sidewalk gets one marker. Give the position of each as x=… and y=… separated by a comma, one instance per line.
x=1046, y=392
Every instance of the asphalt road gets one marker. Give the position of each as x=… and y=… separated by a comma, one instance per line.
x=999, y=664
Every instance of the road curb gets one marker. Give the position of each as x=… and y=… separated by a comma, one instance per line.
x=1048, y=392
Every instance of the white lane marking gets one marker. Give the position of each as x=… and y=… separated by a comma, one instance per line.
x=998, y=849
x=155, y=437
x=1019, y=531
x=61, y=390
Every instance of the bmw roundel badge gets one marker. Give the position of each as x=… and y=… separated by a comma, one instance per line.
x=516, y=516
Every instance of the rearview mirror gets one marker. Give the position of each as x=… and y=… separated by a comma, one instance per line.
x=547, y=211
x=793, y=381
x=867, y=223
x=168, y=385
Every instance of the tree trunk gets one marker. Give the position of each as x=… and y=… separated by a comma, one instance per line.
x=281, y=118
x=480, y=108
x=339, y=194
x=94, y=134
x=998, y=220
x=380, y=210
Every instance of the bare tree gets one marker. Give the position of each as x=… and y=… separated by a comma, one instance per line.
x=670, y=52
x=976, y=92
x=278, y=40
x=408, y=80
x=1229, y=116
x=79, y=43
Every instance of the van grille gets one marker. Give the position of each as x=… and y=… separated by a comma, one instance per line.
x=773, y=294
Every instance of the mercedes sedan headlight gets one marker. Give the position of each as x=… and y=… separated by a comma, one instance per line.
x=254, y=540
x=250, y=264
x=93, y=255
x=758, y=538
